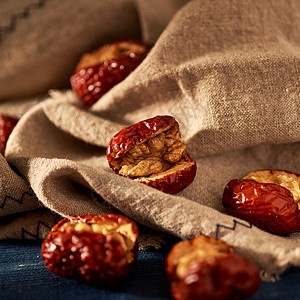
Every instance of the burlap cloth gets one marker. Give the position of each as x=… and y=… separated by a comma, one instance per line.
x=228, y=71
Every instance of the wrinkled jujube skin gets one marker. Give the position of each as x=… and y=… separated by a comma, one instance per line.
x=273, y=207
x=208, y=268
x=152, y=152
x=97, y=72
x=97, y=249
x=7, y=124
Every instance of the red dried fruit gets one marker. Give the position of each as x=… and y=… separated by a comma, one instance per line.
x=7, y=124
x=99, y=249
x=207, y=268
x=99, y=71
x=152, y=153
x=268, y=199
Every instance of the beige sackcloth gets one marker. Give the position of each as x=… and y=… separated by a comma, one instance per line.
x=228, y=71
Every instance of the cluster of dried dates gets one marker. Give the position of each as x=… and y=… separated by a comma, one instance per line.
x=102, y=249
x=151, y=151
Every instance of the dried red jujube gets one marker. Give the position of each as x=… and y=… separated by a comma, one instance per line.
x=208, y=268
x=268, y=199
x=97, y=72
x=99, y=249
x=152, y=152
x=7, y=124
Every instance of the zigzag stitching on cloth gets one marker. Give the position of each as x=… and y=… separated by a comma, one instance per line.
x=40, y=223
x=20, y=201
x=235, y=223
x=18, y=16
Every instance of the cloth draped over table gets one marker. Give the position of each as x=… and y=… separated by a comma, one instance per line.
x=228, y=71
